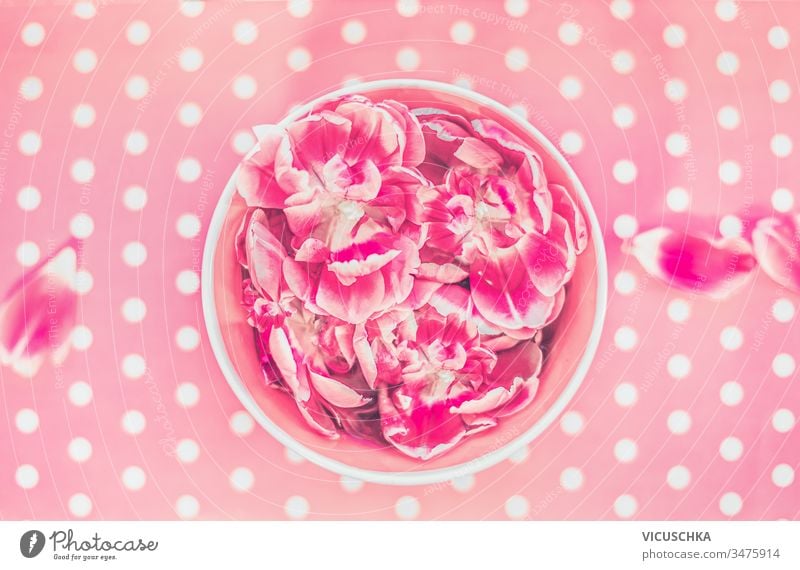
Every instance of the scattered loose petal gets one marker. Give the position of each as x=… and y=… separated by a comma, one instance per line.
x=695, y=263
x=776, y=244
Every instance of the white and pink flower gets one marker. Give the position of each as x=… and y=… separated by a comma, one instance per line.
x=399, y=268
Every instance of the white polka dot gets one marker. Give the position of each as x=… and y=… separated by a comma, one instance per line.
x=187, y=507
x=299, y=8
x=27, y=476
x=138, y=32
x=624, y=116
x=625, y=282
x=133, y=422
x=80, y=449
x=728, y=117
x=730, y=172
x=783, y=365
x=731, y=226
x=570, y=88
x=189, y=169
x=245, y=32
x=677, y=144
x=625, y=450
x=298, y=59
x=82, y=171
x=463, y=483
x=81, y=225
x=726, y=10
x=187, y=451
x=296, y=507
x=29, y=143
x=779, y=91
x=678, y=199
x=293, y=457
x=244, y=87
x=731, y=393
x=83, y=282
x=679, y=422
x=623, y=62
x=242, y=479
x=134, y=366
x=520, y=455
x=731, y=448
x=84, y=61
x=134, y=198
x=516, y=8
x=134, y=254
x=32, y=34
x=570, y=33
x=187, y=338
x=190, y=114
x=783, y=475
x=781, y=145
x=626, y=395
x=782, y=200
x=188, y=226
x=731, y=338
x=624, y=171
x=28, y=253
x=626, y=338
x=80, y=394
x=190, y=59
x=727, y=63
x=679, y=477
x=516, y=59
x=243, y=142
x=730, y=504
x=675, y=90
x=242, y=423
x=84, y=9
x=351, y=485
x=29, y=198
x=517, y=507
x=625, y=226
x=625, y=506
x=783, y=310
x=778, y=37
x=134, y=478
x=187, y=395
x=783, y=420
x=674, y=36
x=134, y=309
x=81, y=337
x=80, y=505
x=572, y=423
x=136, y=143
x=571, y=142
x=571, y=479
x=621, y=9
x=31, y=88
x=354, y=31
x=187, y=282
x=83, y=116
x=27, y=421
x=137, y=87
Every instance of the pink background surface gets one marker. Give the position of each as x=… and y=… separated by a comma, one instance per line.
x=689, y=409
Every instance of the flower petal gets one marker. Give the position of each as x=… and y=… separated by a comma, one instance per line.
x=776, y=244
x=694, y=263
x=336, y=392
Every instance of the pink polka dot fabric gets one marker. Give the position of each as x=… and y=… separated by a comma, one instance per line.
x=122, y=122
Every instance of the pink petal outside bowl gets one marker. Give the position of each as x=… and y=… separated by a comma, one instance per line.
x=575, y=340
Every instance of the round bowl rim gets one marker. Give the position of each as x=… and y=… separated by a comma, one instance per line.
x=422, y=476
